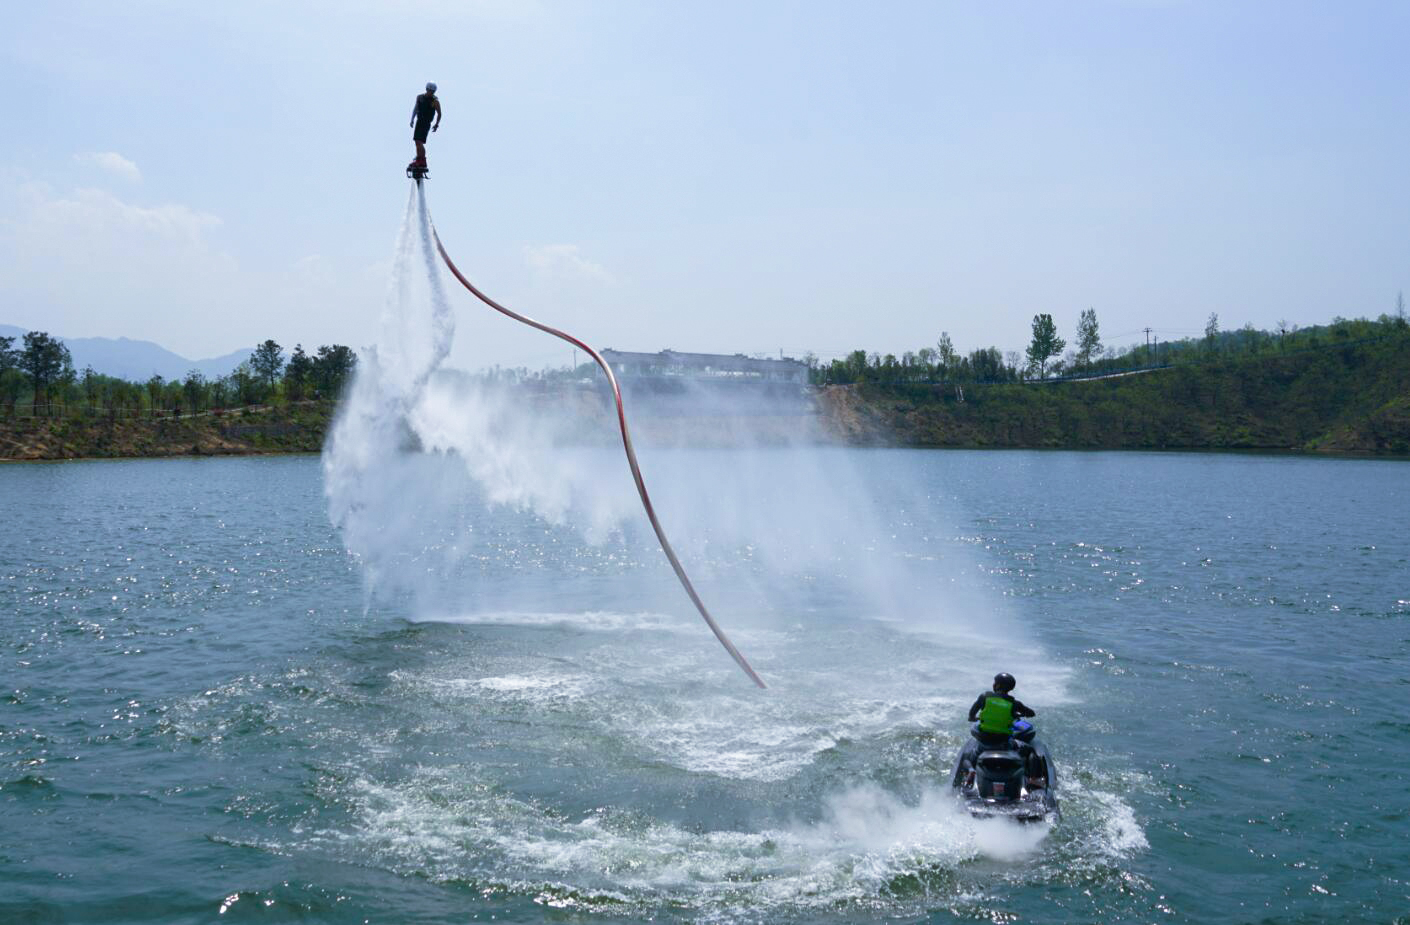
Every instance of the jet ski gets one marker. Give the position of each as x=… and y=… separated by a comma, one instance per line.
x=1007, y=779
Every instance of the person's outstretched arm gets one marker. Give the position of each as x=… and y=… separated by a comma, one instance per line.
x=1020, y=710
x=974, y=710
x=438, y=116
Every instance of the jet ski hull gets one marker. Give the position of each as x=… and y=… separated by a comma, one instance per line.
x=1015, y=781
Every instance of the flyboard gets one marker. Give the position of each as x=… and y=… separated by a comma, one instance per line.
x=418, y=171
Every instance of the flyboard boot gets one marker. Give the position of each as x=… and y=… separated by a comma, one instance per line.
x=417, y=169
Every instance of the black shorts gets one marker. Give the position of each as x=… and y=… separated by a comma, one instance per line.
x=423, y=128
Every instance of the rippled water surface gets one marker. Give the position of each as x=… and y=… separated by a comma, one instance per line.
x=207, y=714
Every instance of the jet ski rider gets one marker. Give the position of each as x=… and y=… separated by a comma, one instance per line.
x=996, y=711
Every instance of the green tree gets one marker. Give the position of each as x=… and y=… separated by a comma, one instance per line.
x=856, y=365
x=1045, y=344
x=331, y=369
x=298, y=373
x=945, y=348
x=92, y=384
x=11, y=380
x=155, y=387
x=45, y=360
x=243, y=384
x=987, y=365
x=926, y=356
x=1211, y=330
x=194, y=389
x=1089, y=340
x=172, y=397
x=267, y=361
x=220, y=392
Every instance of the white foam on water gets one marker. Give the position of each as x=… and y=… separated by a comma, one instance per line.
x=591, y=620
x=517, y=683
x=661, y=689
x=1122, y=831
x=1119, y=833
x=883, y=827
x=902, y=848
x=863, y=841
x=743, y=738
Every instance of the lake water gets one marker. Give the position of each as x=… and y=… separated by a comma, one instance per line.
x=210, y=711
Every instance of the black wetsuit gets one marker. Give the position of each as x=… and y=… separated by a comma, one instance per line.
x=425, y=112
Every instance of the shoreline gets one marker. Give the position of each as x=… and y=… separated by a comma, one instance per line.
x=1290, y=452
x=276, y=430
x=1279, y=407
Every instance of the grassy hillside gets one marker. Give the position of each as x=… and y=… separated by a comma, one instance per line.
x=295, y=428
x=1354, y=398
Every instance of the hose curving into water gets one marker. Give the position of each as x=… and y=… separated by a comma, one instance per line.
x=626, y=445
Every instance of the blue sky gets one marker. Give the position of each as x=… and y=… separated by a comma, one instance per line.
x=705, y=176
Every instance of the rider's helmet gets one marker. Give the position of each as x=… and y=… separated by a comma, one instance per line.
x=430, y=87
x=1004, y=682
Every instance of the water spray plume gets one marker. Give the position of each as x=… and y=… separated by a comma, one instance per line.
x=626, y=445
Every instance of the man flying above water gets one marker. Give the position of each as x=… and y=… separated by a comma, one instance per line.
x=427, y=105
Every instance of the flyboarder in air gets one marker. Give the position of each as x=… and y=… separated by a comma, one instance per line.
x=427, y=105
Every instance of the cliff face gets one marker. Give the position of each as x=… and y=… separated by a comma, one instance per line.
x=848, y=416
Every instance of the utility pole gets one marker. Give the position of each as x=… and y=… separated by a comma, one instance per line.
x=1148, y=345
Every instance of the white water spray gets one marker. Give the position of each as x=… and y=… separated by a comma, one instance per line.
x=842, y=570
x=366, y=477
x=423, y=462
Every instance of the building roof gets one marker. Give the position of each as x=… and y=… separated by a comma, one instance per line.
x=716, y=362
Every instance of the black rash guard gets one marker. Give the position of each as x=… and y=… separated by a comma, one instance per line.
x=425, y=111
x=425, y=107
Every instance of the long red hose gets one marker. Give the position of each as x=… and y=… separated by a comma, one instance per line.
x=626, y=444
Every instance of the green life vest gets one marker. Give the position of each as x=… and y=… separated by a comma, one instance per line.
x=997, y=715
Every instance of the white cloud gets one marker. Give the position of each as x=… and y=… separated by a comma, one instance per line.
x=90, y=211
x=112, y=162
x=566, y=261
x=87, y=263
x=77, y=256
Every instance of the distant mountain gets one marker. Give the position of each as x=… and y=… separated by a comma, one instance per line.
x=135, y=360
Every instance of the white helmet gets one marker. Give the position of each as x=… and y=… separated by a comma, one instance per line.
x=430, y=87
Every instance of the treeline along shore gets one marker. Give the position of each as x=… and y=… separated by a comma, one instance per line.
x=1337, y=388
x=1347, y=398
x=267, y=404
